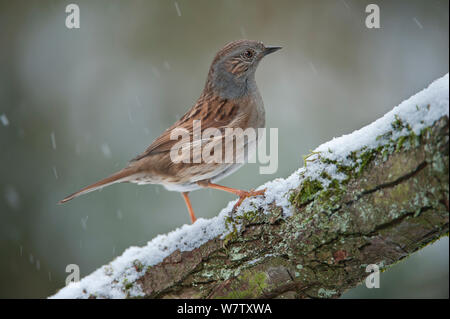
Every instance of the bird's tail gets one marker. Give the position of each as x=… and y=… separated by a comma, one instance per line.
x=121, y=176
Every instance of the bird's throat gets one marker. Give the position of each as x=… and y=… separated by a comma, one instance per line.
x=229, y=86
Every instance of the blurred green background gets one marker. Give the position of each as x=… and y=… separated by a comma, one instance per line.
x=77, y=104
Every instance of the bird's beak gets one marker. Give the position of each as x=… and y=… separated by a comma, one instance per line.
x=269, y=50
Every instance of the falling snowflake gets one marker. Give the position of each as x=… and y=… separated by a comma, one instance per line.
x=55, y=172
x=84, y=222
x=106, y=150
x=418, y=23
x=177, y=7
x=166, y=65
x=53, y=139
x=12, y=197
x=4, y=120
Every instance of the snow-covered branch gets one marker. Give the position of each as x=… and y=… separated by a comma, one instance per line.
x=371, y=197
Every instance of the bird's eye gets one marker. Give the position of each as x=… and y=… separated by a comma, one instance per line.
x=248, y=54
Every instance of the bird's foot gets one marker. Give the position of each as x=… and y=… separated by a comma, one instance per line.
x=243, y=195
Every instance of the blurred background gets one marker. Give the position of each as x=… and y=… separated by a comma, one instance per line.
x=76, y=105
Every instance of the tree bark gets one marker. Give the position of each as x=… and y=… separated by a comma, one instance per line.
x=393, y=204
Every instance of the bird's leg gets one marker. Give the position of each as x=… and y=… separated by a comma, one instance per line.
x=189, y=207
x=241, y=193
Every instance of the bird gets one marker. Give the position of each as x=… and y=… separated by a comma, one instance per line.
x=230, y=100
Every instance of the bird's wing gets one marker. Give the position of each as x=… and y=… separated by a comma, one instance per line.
x=213, y=112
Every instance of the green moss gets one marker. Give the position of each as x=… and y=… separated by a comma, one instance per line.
x=306, y=193
x=128, y=285
x=306, y=157
x=347, y=170
x=247, y=217
x=330, y=197
x=397, y=124
x=138, y=265
x=401, y=140
x=325, y=175
x=233, y=234
x=248, y=285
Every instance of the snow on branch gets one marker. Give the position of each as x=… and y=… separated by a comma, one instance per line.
x=370, y=197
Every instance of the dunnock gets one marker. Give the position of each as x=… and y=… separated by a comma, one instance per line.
x=230, y=99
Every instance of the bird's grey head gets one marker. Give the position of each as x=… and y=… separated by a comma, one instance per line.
x=232, y=72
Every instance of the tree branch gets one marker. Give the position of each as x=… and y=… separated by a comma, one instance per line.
x=374, y=203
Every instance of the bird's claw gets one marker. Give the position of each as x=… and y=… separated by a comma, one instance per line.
x=243, y=195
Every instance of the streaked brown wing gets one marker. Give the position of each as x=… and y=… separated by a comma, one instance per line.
x=213, y=112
